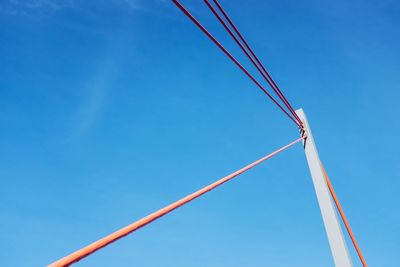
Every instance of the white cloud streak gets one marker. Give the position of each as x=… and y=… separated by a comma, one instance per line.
x=36, y=4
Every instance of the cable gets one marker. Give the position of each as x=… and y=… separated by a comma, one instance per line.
x=86, y=251
x=278, y=91
x=346, y=223
x=257, y=64
x=209, y=35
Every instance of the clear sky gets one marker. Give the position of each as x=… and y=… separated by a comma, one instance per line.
x=110, y=110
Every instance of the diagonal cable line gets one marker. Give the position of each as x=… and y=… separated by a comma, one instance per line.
x=253, y=58
x=344, y=218
x=266, y=74
x=227, y=53
x=105, y=241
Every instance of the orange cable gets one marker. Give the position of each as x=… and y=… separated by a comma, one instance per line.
x=86, y=251
x=346, y=223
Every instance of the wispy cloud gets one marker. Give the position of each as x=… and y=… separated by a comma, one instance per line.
x=34, y=4
x=19, y=6
x=94, y=93
x=140, y=4
x=27, y=7
x=133, y=3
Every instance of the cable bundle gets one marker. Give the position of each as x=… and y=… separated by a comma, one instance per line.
x=233, y=31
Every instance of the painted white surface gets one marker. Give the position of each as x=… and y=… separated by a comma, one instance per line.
x=334, y=232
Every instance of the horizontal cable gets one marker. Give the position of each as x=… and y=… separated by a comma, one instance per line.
x=209, y=35
x=253, y=57
x=86, y=251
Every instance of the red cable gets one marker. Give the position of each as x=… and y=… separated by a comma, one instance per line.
x=86, y=251
x=209, y=35
x=344, y=219
x=268, y=78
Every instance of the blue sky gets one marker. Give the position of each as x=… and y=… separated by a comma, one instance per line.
x=113, y=109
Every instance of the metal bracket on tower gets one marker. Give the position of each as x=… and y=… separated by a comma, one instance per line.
x=334, y=232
